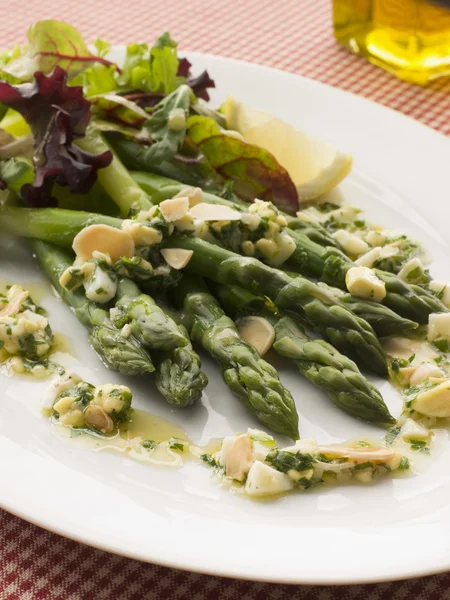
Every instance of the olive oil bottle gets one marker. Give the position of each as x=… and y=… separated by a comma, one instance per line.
x=410, y=38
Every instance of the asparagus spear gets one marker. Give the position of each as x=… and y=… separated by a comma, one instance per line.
x=315, y=255
x=383, y=320
x=317, y=360
x=120, y=353
x=149, y=323
x=178, y=375
x=161, y=188
x=298, y=296
x=247, y=375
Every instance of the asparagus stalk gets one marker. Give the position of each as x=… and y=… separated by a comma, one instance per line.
x=316, y=360
x=161, y=188
x=247, y=375
x=120, y=353
x=115, y=178
x=178, y=374
x=179, y=377
x=315, y=255
x=383, y=320
x=149, y=323
x=298, y=296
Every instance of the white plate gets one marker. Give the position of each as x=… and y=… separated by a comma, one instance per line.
x=395, y=529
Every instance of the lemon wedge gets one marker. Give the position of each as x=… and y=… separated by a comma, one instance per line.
x=314, y=166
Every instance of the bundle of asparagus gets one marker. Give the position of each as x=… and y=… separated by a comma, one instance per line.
x=136, y=333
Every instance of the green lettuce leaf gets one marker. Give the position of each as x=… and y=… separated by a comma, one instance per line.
x=14, y=173
x=51, y=44
x=254, y=171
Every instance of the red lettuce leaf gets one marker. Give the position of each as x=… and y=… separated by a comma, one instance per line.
x=200, y=84
x=57, y=115
x=255, y=172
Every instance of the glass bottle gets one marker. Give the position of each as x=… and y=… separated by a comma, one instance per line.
x=410, y=38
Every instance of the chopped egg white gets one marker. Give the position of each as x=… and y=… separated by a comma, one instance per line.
x=362, y=282
x=352, y=244
x=439, y=326
x=263, y=480
x=100, y=287
x=368, y=259
x=442, y=288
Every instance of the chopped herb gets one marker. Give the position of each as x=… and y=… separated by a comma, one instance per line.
x=211, y=461
x=362, y=444
x=100, y=290
x=404, y=464
x=2, y=343
x=360, y=224
x=175, y=445
x=392, y=435
x=420, y=446
x=362, y=466
x=442, y=345
x=305, y=483
x=149, y=444
x=285, y=461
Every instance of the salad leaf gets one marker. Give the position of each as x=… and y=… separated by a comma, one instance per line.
x=51, y=44
x=119, y=108
x=151, y=70
x=14, y=173
x=57, y=115
x=168, y=138
x=164, y=65
x=255, y=172
x=200, y=84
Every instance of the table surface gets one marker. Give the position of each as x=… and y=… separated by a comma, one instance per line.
x=293, y=35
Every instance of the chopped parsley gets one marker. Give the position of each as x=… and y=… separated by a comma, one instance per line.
x=176, y=445
x=211, y=461
x=392, y=435
x=286, y=461
x=149, y=444
x=420, y=446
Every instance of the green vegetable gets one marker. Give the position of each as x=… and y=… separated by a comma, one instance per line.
x=149, y=323
x=51, y=44
x=167, y=139
x=115, y=178
x=179, y=377
x=123, y=354
x=317, y=360
x=15, y=173
x=255, y=172
x=408, y=300
x=299, y=297
x=161, y=188
x=247, y=375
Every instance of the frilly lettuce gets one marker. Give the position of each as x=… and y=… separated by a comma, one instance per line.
x=57, y=115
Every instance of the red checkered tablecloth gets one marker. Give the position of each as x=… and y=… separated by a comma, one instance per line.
x=294, y=35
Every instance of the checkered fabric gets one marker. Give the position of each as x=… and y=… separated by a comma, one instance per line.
x=294, y=35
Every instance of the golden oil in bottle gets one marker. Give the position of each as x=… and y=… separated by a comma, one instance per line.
x=410, y=38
